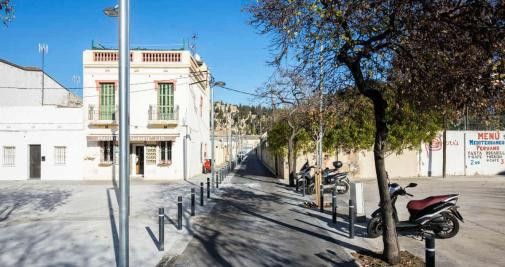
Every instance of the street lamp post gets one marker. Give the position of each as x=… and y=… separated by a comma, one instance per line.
x=212, y=128
x=124, y=125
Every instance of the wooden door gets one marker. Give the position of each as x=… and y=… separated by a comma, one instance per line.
x=35, y=160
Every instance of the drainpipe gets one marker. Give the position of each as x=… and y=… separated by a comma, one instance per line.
x=185, y=153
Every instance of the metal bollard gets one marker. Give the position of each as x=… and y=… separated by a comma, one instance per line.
x=179, y=212
x=217, y=181
x=296, y=186
x=192, y=202
x=208, y=187
x=161, y=229
x=430, y=251
x=201, y=194
x=321, y=198
x=351, y=219
x=304, y=185
x=334, y=206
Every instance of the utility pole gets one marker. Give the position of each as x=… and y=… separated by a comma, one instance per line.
x=320, y=134
x=213, y=84
x=43, y=50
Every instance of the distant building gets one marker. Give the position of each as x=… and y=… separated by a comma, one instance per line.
x=169, y=114
x=22, y=86
x=38, y=141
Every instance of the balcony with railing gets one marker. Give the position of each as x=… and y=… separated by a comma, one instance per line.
x=163, y=116
x=102, y=116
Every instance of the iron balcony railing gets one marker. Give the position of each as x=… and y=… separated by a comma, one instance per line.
x=95, y=114
x=163, y=113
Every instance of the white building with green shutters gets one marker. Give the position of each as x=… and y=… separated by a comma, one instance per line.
x=169, y=114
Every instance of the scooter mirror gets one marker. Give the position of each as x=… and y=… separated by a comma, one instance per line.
x=412, y=185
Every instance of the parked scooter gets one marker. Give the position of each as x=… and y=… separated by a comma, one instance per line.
x=304, y=175
x=339, y=179
x=330, y=177
x=438, y=214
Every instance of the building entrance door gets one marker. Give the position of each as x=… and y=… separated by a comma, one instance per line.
x=35, y=160
x=139, y=163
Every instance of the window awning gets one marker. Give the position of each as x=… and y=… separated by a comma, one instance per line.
x=134, y=138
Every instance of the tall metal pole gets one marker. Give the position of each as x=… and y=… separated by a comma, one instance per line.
x=213, y=160
x=320, y=135
x=43, y=49
x=124, y=127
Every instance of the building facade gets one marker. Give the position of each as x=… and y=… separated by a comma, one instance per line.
x=41, y=130
x=169, y=114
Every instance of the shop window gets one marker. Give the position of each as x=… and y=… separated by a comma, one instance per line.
x=165, y=152
x=107, y=152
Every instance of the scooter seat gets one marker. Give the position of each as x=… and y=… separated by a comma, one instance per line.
x=418, y=205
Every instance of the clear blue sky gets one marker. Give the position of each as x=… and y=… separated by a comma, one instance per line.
x=234, y=51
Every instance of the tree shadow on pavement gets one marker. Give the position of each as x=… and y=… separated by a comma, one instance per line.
x=249, y=233
x=28, y=201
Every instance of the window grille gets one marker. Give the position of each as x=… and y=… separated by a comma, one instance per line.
x=9, y=156
x=150, y=155
x=60, y=155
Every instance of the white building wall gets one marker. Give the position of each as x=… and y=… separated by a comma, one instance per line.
x=48, y=126
x=22, y=87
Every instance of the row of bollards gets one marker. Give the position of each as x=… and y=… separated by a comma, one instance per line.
x=430, y=239
x=220, y=175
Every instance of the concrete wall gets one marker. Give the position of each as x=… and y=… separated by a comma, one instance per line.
x=48, y=126
x=24, y=88
x=468, y=153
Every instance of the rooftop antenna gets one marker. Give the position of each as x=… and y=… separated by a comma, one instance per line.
x=43, y=49
x=193, y=45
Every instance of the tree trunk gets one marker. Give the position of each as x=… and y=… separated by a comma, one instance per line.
x=391, y=251
x=292, y=160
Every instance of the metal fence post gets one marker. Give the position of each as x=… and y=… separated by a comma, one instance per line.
x=192, y=202
x=208, y=187
x=351, y=219
x=201, y=194
x=334, y=206
x=179, y=212
x=321, y=198
x=430, y=251
x=161, y=229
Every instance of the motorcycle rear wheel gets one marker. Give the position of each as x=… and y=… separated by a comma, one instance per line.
x=374, y=227
x=453, y=226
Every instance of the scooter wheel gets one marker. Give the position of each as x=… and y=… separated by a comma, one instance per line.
x=374, y=227
x=451, y=229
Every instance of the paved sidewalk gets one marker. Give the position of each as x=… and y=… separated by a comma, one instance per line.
x=258, y=222
x=66, y=223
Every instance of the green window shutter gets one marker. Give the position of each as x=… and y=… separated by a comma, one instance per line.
x=107, y=101
x=166, y=101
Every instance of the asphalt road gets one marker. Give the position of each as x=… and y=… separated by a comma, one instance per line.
x=258, y=222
